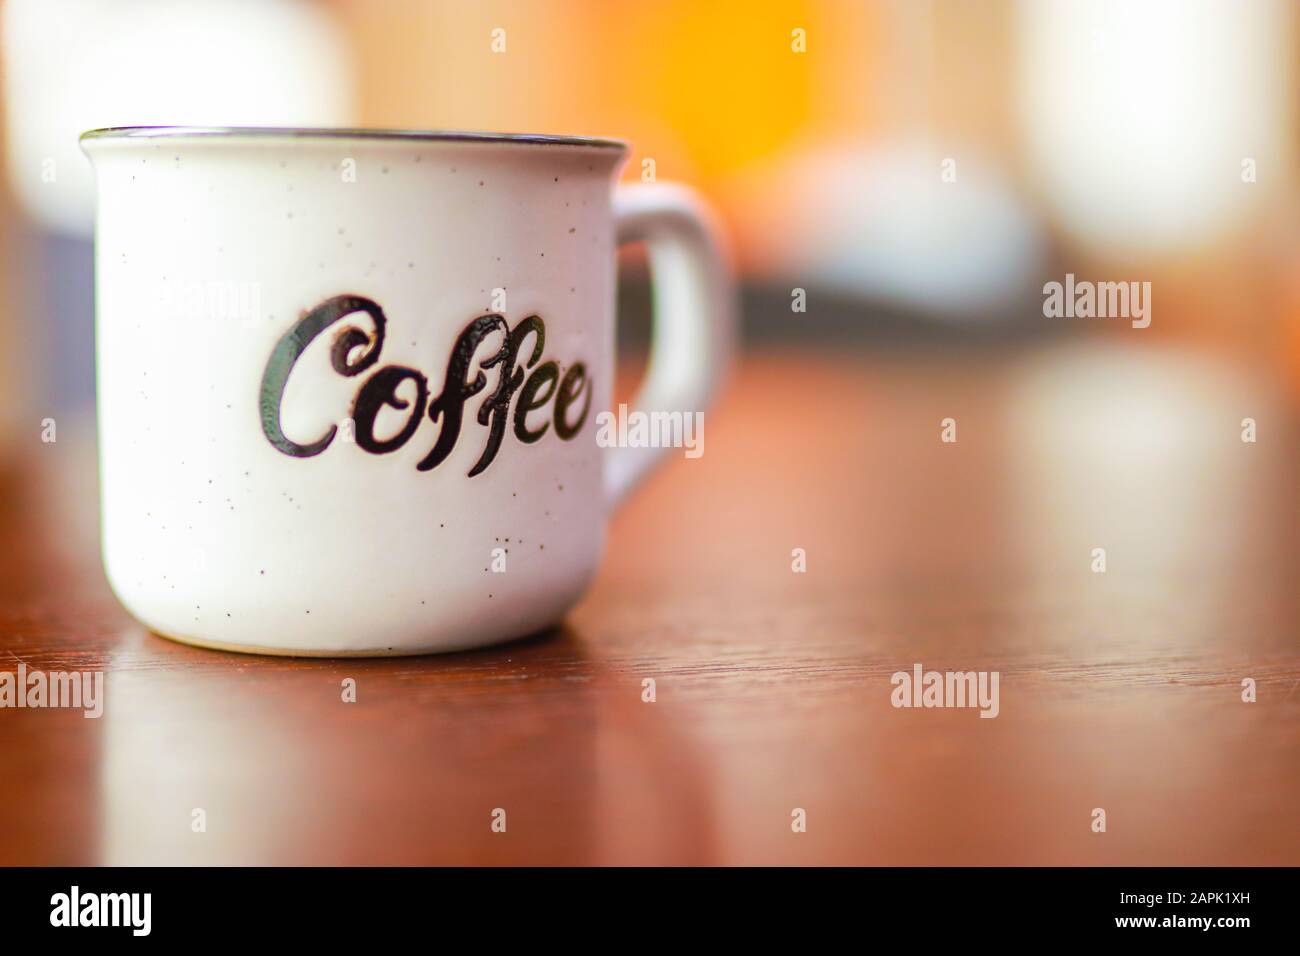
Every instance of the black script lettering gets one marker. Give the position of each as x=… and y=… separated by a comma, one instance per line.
x=574, y=383
x=497, y=406
x=548, y=373
x=380, y=390
x=536, y=383
x=290, y=348
x=450, y=405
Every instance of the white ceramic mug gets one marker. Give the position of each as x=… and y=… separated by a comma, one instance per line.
x=348, y=379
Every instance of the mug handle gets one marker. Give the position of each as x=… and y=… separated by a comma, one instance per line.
x=692, y=330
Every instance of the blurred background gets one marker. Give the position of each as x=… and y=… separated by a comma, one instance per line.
x=912, y=173
x=918, y=168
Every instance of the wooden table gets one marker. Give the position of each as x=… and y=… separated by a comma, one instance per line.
x=1119, y=690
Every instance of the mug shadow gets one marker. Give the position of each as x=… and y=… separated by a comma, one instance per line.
x=255, y=651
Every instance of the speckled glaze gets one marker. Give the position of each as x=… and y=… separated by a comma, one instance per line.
x=211, y=245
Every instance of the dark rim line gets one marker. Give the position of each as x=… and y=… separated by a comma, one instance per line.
x=394, y=135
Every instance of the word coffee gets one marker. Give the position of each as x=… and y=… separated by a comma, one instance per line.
x=354, y=350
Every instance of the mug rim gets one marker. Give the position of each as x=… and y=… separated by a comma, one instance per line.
x=325, y=132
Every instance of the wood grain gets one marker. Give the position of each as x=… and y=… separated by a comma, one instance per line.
x=1119, y=690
